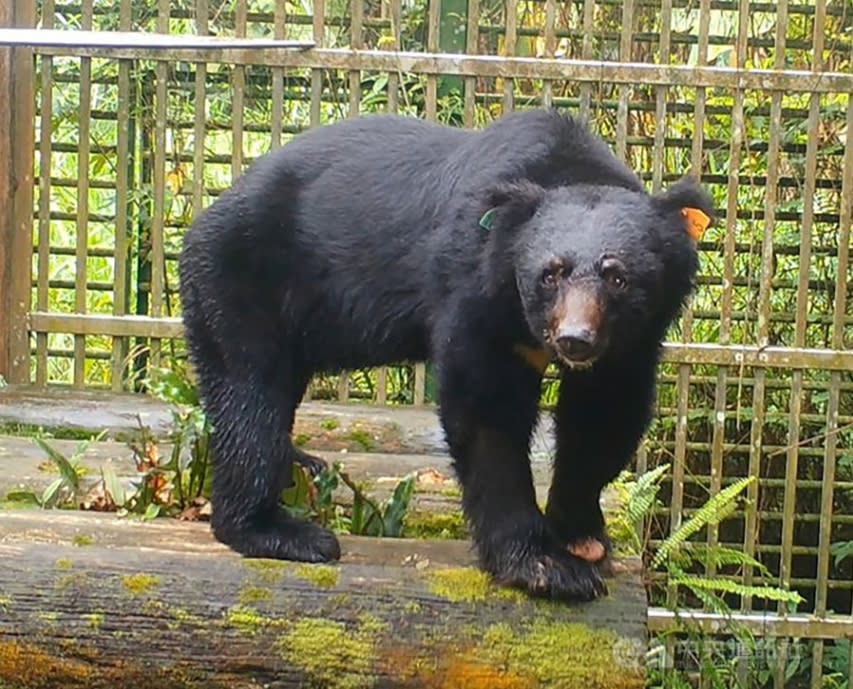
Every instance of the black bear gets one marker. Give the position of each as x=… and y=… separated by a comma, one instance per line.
x=386, y=239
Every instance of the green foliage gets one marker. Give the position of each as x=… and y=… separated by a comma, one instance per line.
x=359, y=514
x=65, y=490
x=841, y=550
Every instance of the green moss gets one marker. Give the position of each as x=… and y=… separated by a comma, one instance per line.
x=412, y=607
x=254, y=594
x=330, y=653
x=469, y=584
x=247, y=619
x=573, y=656
x=81, y=540
x=301, y=439
x=64, y=563
x=48, y=616
x=361, y=437
x=322, y=576
x=431, y=525
x=5, y=602
x=31, y=431
x=329, y=424
x=452, y=492
x=339, y=599
x=138, y=584
x=94, y=619
x=269, y=571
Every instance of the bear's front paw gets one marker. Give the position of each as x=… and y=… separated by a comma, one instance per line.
x=551, y=572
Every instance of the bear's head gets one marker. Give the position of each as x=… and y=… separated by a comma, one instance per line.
x=597, y=269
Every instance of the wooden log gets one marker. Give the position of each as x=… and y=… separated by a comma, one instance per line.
x=163, y=605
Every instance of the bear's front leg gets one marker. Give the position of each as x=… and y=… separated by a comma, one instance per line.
x=600, y=418
x=488, y=399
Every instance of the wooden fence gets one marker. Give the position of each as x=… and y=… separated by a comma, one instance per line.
x=112, y=140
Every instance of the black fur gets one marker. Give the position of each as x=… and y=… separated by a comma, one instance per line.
x=358, y=244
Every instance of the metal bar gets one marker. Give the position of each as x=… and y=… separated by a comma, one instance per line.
x=432, y=63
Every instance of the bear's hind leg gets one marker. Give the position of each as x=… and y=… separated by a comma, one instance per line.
x=311, y=463
x=600, y=418
x=252, y=464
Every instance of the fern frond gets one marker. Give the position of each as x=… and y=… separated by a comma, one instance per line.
x=715, y=510
x=695, y=583
x=643, y=494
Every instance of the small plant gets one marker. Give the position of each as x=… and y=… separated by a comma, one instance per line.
x=315, y=500
x=65, y=490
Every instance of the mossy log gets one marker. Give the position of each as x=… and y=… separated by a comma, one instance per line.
x=91, y=600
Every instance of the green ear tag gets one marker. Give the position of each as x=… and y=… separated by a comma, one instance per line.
x=487, y=219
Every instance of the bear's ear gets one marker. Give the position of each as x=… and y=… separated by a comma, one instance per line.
x=510, y=204
x=691, y=201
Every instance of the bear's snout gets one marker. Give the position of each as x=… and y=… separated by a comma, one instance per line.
x=575, y=328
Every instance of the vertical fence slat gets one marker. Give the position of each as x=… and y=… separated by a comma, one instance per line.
x=277, y=88
x=17, y=106
x=624, y=90
x=510, y=47
x=472, y=40
x=319, y=30
x=122, y=240
x=159, y=220
x=434, y=22
x=550, y=48
x=357, y=43
x=840, y=309
x=200, y=111
x=804, y=266
x=658, y=153
x=395, y=16
x=238, y=94
x=45, y=164
x=586, y=54
x=82, y=228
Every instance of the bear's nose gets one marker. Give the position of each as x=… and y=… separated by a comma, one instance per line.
x=577, y=343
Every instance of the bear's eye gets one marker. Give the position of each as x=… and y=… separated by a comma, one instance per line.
x=550, y=277
x=614, y=272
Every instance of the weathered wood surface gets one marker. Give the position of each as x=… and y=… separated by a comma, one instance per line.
x=403, y=430
x=163, y=605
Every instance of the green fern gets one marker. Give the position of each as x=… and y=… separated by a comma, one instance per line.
x=721, y=556
x=643, y=493
x=713, y=511
x=716, y=584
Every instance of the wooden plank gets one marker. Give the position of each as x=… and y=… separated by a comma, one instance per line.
x=17, y=144
x=432, y=63
x=60, y=38
x=675, y=352
x=510, y=48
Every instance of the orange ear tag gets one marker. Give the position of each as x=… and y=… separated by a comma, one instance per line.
x=697, y=222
